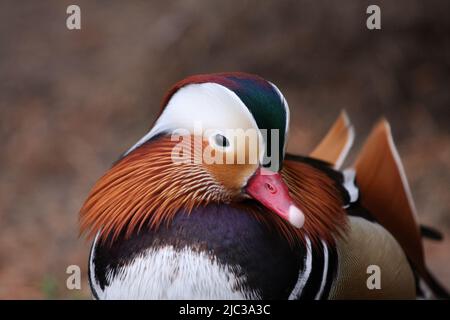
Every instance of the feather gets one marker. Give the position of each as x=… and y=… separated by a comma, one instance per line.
x=335, y=146
x=386, y=194
x=317, y=195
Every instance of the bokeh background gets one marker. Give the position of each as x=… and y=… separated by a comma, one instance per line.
x=72, y=101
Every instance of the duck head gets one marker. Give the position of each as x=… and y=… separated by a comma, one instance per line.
x=219, y=138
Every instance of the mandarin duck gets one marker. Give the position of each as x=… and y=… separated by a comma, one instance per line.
x=195, y=210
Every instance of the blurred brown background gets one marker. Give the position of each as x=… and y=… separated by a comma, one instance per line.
x=72, y=101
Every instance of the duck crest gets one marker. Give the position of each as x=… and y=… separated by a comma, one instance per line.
x=263, y=99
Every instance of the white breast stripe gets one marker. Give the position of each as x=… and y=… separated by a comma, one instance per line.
x=348, y=144
x=325, y=271
x=304, y=274
x=349, y=184
x=92, y=280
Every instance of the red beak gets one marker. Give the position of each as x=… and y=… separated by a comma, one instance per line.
x=269, y=189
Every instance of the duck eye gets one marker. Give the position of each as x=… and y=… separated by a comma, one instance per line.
x=221, y=140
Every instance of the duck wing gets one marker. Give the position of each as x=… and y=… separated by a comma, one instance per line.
x=335, y=146
x=386, y=194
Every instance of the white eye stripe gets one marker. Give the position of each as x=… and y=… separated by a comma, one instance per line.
x=212, y=105
x=349, y=184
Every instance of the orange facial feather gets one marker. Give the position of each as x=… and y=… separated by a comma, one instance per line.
x=146, y=188
x=319, y=199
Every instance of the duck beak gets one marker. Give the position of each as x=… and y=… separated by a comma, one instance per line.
x=269, y=189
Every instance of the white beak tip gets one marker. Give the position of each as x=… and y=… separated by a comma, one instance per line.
x=296, y=217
